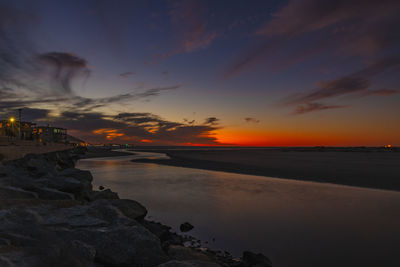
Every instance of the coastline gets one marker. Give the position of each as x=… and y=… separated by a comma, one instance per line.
x=369, y=169
x=50, y=215
x=102, y=152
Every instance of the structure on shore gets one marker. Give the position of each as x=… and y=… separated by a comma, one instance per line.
x=14, y=130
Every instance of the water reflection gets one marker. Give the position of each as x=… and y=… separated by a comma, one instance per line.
x=295, y=223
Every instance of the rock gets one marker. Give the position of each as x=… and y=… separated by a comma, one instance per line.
x=3, y=170
x=80, y=175
x=105, y=194
x=86, y=251
x=186, y=254
x=122, y=246
x=4, y=242
x=251, y=259
x=130, y=208
x=19, y=216
x=81, y=190
x=38, y=246
x=9, y=192
x=39, y=166
x=162, y=232
x=175, y=263
x=103, y=210
x=61, y=159
x=74, y=217
x=4, y=262
x=53, y=194
x=186, y=227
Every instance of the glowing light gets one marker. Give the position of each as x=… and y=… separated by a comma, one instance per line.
x=388, y=146
x=146, y=141
x=12, y=119
x=109, y=133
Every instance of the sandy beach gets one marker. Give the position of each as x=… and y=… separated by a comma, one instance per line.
x=374, y=169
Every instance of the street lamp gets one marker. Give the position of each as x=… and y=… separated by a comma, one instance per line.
x=11, y=130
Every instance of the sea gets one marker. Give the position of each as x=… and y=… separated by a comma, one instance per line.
x=292, y=222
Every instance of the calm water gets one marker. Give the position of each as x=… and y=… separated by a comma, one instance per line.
x=294, y=223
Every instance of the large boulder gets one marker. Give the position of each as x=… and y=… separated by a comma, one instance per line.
x=175, y=263
x=186, y=227
x=251, y=259
x=61, y=159
x=182, y=253
x=51, y=194
x=81, y=190
x=10, y=192
x=39, y=166
x=104, y=194
x=34, y=246
x=122, y=245
x=130, y=208
x=74, y=217
x=163, y=232
x=80, y=175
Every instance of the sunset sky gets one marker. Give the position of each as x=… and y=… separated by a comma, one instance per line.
x=254, y=73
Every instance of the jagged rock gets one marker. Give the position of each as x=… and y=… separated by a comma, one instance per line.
x=186, y=254
x=39, y=166
x=18, y=216
x=130, y=208
x=49, y=193
x=79, y=175
x=175, y=263
x=73, y=217
x=4, y=242
x=251, y=259
x=38, y=246
x=9, y=192
x=105, y=194
x=61, y=159
x=6, y=262
x=103, y=210
x=163, y=233
x=122, y=246
x=186, y=227
x=81, y=190
x=3, y=170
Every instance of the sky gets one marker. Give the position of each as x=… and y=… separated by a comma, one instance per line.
x=197, y=72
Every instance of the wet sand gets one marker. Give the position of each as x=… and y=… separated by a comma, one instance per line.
x=366, y=168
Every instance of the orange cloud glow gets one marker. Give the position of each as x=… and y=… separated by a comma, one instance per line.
x=109, y=133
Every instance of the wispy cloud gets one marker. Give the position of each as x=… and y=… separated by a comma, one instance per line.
x=9, y=98
x=356, y=84
x=310, y=107
x=63, y=68
x=352, y=27
x=359, y=81
x=191, y=30
x=253, y=120
x=211, y=121
x=127, y=74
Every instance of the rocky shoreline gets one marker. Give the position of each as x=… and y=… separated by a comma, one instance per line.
x=51, y=216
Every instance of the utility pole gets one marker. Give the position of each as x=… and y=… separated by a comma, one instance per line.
x=19, y=123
